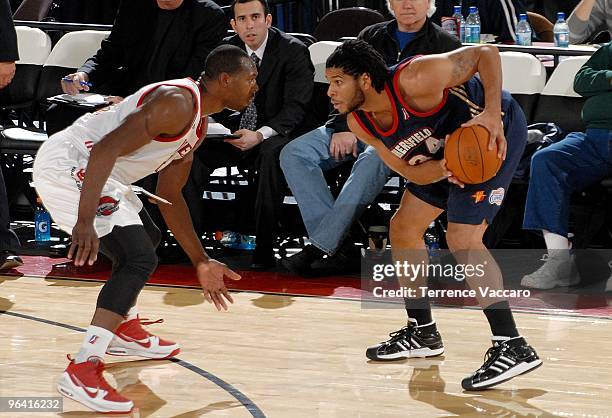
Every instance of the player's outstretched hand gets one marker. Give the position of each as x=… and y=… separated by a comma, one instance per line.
x=85, y=244
x=211, y=275
x=493, y=123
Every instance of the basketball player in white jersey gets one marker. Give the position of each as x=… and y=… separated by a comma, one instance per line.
x=84, y=174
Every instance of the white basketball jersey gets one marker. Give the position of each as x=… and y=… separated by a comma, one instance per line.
x=152, y=157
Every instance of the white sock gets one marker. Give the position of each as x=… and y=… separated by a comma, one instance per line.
x=556, y=242
x=132, y=313
x=95, y=343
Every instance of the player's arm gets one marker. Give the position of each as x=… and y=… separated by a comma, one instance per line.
x=434, y=73
x=210, y=272
x=424, y=173
x=168, y=111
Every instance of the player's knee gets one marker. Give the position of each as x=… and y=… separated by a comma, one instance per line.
x=400, y=228
x=143, y=261
x=458, y=241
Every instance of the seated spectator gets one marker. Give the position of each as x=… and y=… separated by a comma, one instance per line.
x=572, y=164
x=549, y=8
x=303, y=160
x=588, y=19
x=279, y=112
x=497, y=17
x=8, y=55
x=149, y=42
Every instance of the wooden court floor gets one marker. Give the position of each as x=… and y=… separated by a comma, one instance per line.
x=283, y=356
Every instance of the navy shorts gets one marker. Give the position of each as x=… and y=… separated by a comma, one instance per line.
x=476, y=202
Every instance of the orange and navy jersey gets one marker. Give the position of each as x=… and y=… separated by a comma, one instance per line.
x=416, y=136
x=152, y=157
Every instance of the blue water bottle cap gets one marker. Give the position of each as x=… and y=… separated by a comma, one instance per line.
x=473, y=9
x=523, y=16
x=457, y=9
x=560, y=16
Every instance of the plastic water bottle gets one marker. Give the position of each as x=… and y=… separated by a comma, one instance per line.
x=472, y=26
x=432, y=243
x=523, y=31
x=460, y=23
x=42, y=223
x=561, y=31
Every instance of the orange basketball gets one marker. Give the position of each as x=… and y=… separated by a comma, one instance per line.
x=468, y=157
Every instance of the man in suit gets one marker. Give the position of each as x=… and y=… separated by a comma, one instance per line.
x=150, y=42
x=279, y=112
x=8, y=55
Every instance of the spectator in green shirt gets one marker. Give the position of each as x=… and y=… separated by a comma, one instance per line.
x=579, y=160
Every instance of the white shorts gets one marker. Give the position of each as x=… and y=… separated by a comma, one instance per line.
x=59, y=170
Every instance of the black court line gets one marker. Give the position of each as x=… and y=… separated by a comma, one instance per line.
x=239, y=396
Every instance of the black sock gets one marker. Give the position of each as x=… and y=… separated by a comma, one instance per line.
x=419, y=310
x=501, y=320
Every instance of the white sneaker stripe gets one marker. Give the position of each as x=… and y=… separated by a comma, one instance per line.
x=507, y=360
x=504, y=365
x=498, y=370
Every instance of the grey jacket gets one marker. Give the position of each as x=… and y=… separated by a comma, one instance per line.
x=600, y=20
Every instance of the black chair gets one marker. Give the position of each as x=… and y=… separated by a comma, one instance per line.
x=19, y=97
x=346, y=22
x=558, y=101
x=35, y=10
x=304, y=37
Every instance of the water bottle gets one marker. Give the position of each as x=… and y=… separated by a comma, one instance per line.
x=561, y=31
x=460, y=23
x=248, y=242
x=432, y=243
x=472, y=26
x=42, y=223
x=523, y=31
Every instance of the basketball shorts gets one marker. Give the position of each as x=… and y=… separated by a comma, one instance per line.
x=59, y=170
x=477, y=202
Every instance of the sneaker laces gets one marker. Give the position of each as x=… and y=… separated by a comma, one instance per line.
x=402, y=334
x=147, y=321
x=491, y=355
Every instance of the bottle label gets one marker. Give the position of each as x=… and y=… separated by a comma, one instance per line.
x=524, y=38
x=562, y=39
x=449, y=24
x=42, y=226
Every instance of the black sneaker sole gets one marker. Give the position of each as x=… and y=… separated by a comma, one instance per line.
x=466, y=385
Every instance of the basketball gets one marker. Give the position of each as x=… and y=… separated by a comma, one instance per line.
x=468, y=157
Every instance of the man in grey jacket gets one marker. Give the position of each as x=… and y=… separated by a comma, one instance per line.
x=589, y=18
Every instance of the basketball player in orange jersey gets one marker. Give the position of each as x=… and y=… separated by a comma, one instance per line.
x=406, y=112
x=84, y=174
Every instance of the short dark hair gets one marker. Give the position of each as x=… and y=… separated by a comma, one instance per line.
x=225, y=59
x=264, y=3
x=356, y=57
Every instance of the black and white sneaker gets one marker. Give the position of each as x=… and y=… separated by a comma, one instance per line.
x=410, y=341
x=506, y=359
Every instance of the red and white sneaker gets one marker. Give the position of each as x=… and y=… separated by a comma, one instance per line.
x=131, y=339
x=84, y=383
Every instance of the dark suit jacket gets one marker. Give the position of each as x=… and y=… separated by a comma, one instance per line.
x=121, y=65
x=8, y=37
x=285, y=83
